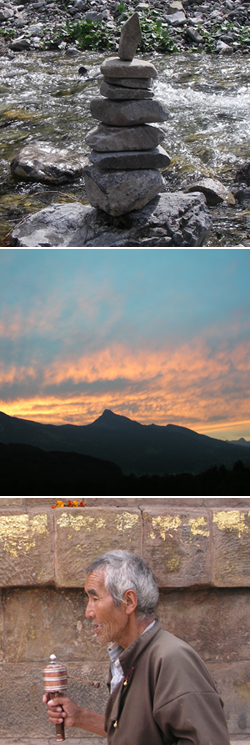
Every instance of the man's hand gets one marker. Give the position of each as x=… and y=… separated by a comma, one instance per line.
x=70, y=714
x=73, y=716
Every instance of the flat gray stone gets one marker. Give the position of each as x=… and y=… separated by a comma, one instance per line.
x=176, y=19
x=53, y=226
x=214, y=191
x=194, y=35
x=20, y=45
x=40, y=161
x=130, y=38
x=223, y=48
x=174, y=7
x=119, y=93
x=127, y=113
x=169, y=220
x=116, y=139
x=6, y=13
x=130, y=82
x=131, y=160
x=114, y=67
x=119, y=192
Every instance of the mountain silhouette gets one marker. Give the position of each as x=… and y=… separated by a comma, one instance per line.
x=134, y=447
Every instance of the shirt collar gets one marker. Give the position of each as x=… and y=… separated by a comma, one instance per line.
x=115, y=650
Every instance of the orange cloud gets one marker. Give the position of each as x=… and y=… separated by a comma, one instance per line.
x=192, y=386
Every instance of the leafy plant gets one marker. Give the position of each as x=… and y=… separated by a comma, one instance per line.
x=8, y=33
x=95, y=35
x=155, y=33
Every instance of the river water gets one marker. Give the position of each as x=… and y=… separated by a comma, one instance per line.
x=207, y=134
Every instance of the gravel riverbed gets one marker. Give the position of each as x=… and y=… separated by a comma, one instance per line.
x=219, y=27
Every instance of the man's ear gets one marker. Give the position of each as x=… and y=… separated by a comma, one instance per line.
x=130, y=600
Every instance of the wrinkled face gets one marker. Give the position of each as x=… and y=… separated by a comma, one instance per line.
x=108, y=620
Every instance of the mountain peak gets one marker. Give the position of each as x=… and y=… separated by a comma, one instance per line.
x=109, y=420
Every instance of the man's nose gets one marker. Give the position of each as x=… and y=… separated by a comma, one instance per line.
x=89, y=612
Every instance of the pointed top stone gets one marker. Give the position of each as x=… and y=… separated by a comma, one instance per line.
x=130, y=38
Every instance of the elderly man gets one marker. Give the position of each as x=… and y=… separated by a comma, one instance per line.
x=160, y=690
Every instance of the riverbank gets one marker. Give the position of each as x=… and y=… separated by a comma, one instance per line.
x=167, y=25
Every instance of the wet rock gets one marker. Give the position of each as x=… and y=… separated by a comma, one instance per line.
x=20, y=45
x=130, y=38
x=176, y=19
x=126, y=113
x=36, y=29
x=53, y=226
x=194, y=35
x=109, y=139
x=216, y=16
x=118, y=192
x=114, y=67
x=197, y=19
x=222, y=48
x=20, y=22
x=133, y=160
x=80, y=4
x=174, y=7
x=119, y=93
x=5, y=14
x=168, y=220
x=40, y=161
x=83, y=70
x=242, y=195
x=214, y=191
x=130, y=82
x=94, y=16
x=243, y=174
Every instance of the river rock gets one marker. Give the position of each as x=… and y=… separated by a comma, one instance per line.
x=20, y=45
x=130, y=38
x=130, y=82
x=119, y=93
x=36, y=30
x=176, y=19
x=5, y=14
x=174, y=7
x=115, y=139
x=222, y=48
x=131, y=160
x=125, y=113
x=214, y=191
x=194, y=35
x=169, y=220
x=40, y=161
x=243, y=174
x=114, y=67
x=118, y=192
x=242, y=195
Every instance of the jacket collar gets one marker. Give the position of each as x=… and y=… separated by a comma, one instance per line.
x=128, y=659
x=131, y=654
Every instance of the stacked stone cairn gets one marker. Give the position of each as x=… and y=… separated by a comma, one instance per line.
x=127, y=155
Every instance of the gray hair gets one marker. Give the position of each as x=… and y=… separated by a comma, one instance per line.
x=126, y=571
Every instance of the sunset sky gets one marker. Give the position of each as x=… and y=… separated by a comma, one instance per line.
x=157, y=335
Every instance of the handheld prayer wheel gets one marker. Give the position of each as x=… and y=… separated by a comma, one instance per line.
x=55, y=680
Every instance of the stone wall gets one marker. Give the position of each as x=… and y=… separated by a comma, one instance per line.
x=199, y=550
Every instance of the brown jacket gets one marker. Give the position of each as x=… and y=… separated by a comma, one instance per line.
x=166, y=696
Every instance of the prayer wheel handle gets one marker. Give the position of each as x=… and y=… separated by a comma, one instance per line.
x=55, y=681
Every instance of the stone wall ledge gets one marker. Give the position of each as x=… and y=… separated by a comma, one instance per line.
x=187, y=544
x=234, y=740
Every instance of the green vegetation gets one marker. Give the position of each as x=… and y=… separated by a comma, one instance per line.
x=155, y=34
x=8, y=33
x=95, y=35
x=101, y=35
x=240, y=36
